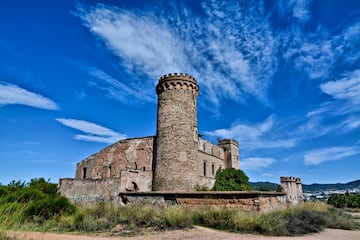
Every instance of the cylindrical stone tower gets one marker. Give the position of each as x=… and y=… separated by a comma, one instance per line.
x=176, y=134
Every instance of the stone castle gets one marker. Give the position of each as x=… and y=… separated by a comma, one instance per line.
x=176, y=159
x=172, y=165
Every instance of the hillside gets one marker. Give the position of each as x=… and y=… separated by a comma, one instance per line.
x=315, y=187
x=264, y=186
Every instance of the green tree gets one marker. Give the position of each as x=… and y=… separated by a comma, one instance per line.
x=231, y=179
x=345, y=200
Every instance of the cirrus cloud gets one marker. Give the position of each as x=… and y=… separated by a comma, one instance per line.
x=91, y=132
x=13, y=94
x=319, y=156
x=256, y=163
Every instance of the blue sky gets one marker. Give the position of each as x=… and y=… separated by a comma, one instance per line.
x=281, y=77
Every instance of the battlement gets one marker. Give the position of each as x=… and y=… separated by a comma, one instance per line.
x=177, y=81
x=288, y=179
x=228, y=141
x=180, y=76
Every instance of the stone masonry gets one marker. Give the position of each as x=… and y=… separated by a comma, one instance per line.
x=176, y=136
x=293, y=188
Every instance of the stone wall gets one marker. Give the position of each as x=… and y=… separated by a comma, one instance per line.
x=85, y=191
x=80, y=191
x=258, y=201
x=210, y=149
x=207, y=166
x=135, y=153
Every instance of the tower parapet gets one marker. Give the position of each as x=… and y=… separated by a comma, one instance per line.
x=176, y=133
x=177, y=81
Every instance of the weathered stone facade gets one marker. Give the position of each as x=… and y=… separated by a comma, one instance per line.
x=176, y=159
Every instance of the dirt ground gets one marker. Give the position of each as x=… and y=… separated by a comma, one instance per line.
x=198, y=233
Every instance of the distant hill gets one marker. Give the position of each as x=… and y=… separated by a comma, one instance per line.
x=315, y=187
x=264, y=186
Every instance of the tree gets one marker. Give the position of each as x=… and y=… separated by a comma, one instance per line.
x=231, y=179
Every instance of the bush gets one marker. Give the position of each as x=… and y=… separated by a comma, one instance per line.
x=48, y=207
x=37, y=199
x=231, y=179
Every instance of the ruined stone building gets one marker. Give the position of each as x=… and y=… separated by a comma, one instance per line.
x=176, y=159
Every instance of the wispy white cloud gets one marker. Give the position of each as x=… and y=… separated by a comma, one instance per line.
x=232, y=57
x=256, y=163
x=238, y=62
x=319, y=156
x=298, y=9
x=140, y=40
x=301, y=9
x=120, y=91
x=92, y=132
x=342, y=109
x=255, y=136
x=319, y=53
x=12, y=94
x=346, y=88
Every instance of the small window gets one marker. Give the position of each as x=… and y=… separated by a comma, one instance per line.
x=109, y=171
x=84, y=172
x=205, y=168
x=213, y=169
x=204, y=147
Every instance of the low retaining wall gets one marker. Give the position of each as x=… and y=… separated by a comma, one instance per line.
x=252, y=200
x=82, y=192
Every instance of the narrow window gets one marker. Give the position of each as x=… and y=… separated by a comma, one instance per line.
x=109, y=171
x=204, y=168
x=204, y=147
x=84, y=172
x=213, y=169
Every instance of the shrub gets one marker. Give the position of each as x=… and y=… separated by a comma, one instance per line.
x=48, y=207
x=231, y=179
x=36, y=200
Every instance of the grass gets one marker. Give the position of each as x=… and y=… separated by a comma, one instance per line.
x=133, y=220
x=10, y=219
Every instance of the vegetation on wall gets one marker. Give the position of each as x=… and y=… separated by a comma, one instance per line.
x=231, y=179
x=349, y=200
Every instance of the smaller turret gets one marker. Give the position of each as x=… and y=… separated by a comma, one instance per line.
x=231, y=153
x=293, y=188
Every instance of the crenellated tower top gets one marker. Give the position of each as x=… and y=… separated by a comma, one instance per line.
x=175, y=81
